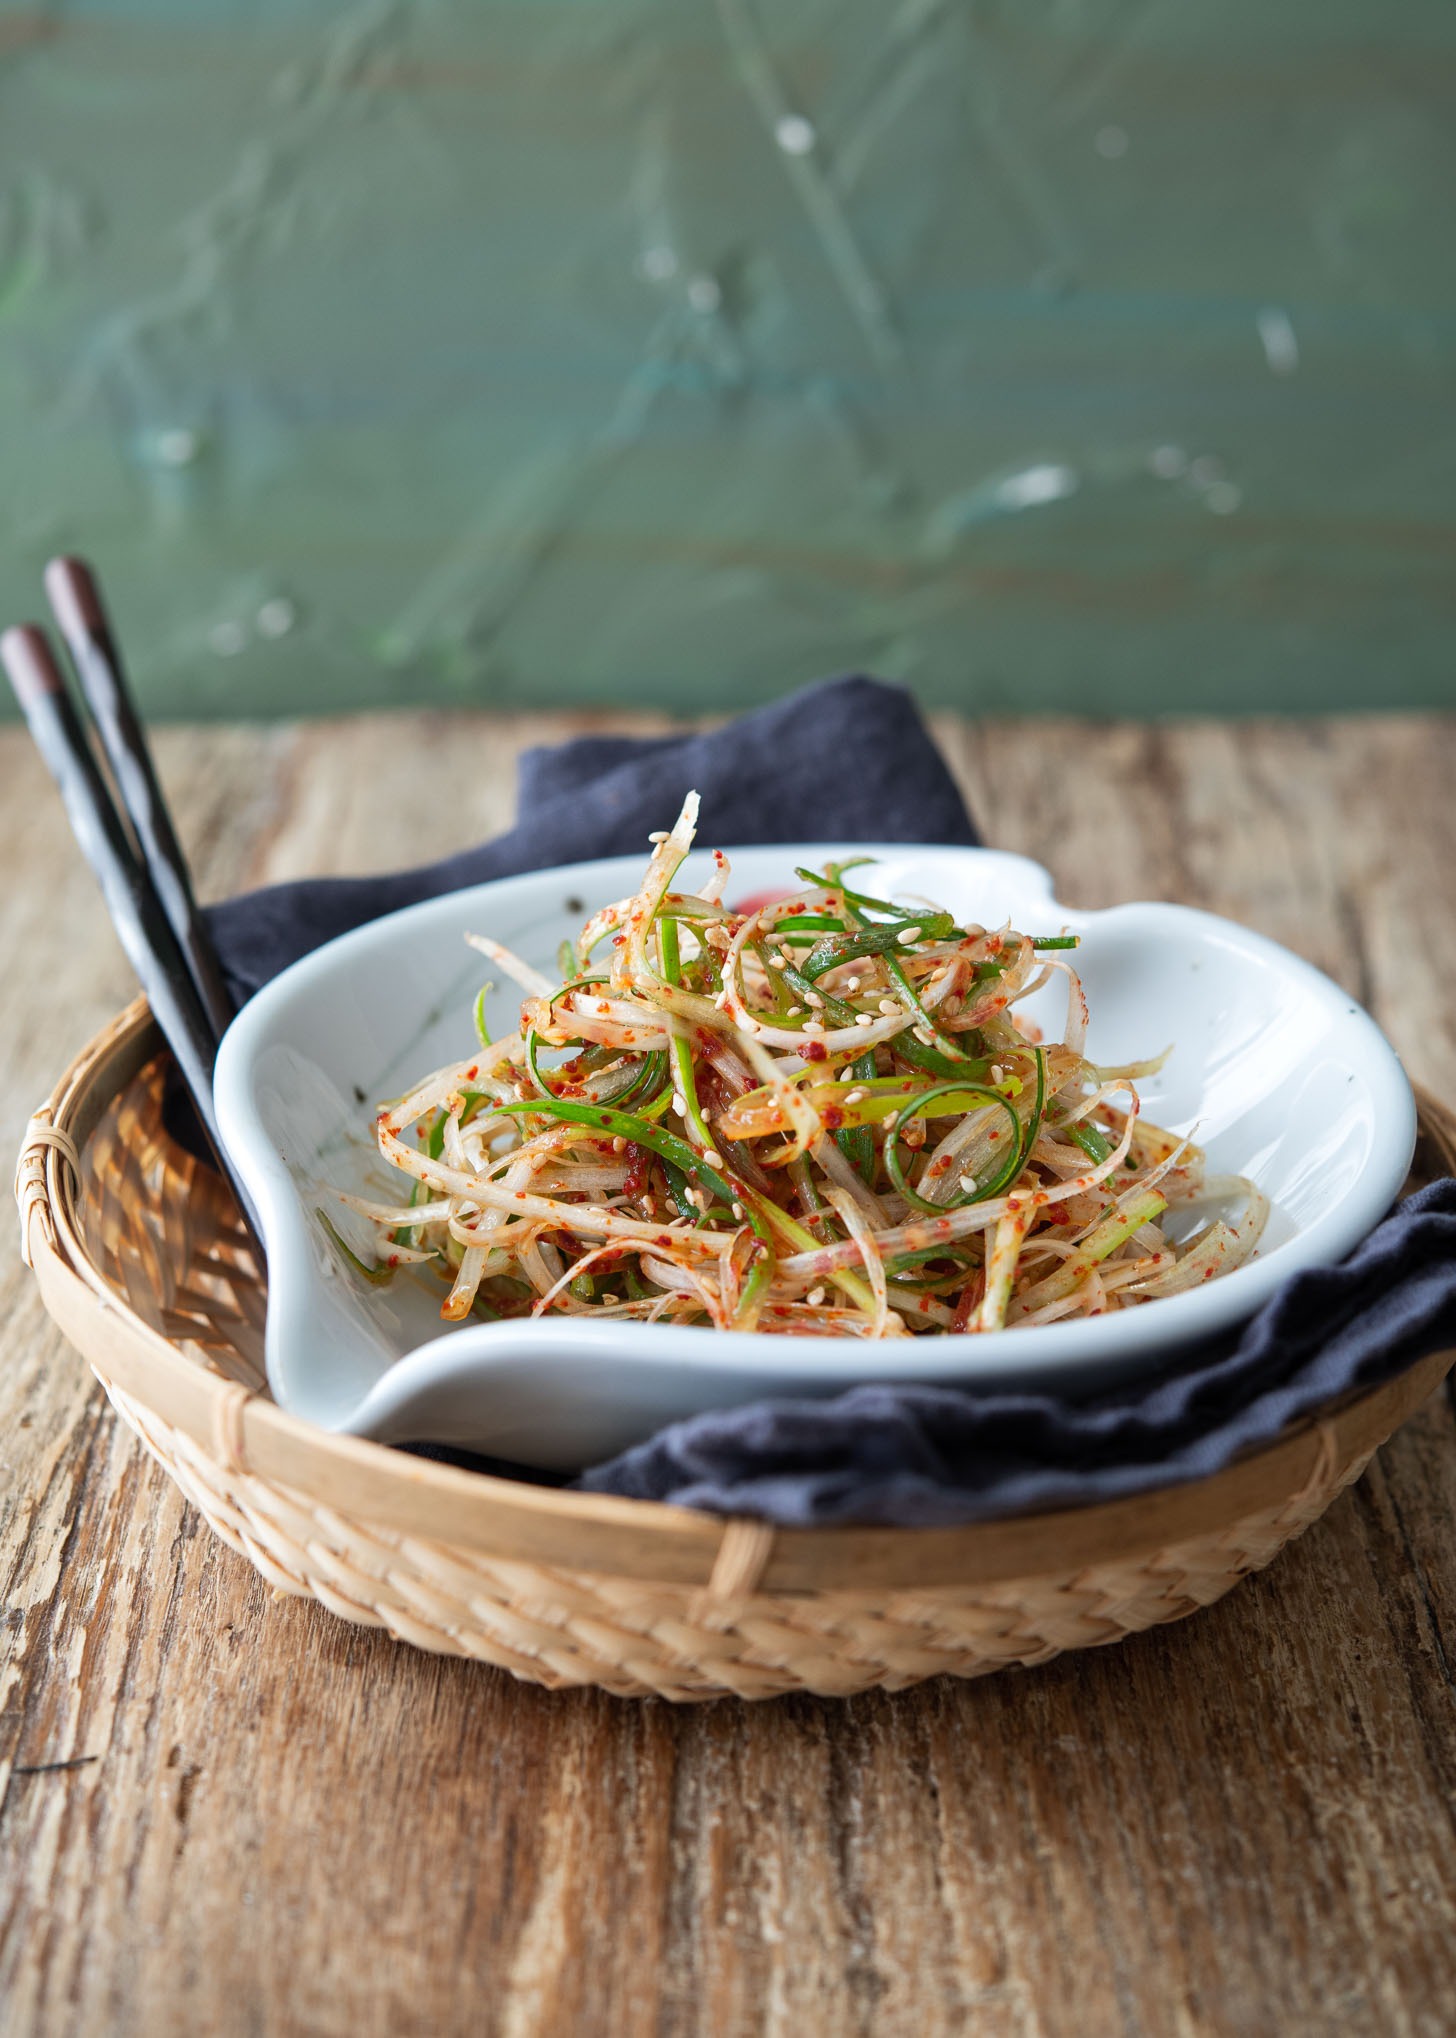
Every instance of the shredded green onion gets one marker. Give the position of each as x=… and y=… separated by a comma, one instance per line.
x=863, y=1141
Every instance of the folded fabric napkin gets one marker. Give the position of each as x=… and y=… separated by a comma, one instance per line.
x=903, y=1455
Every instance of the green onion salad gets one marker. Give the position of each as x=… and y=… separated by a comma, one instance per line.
x=820, y=1115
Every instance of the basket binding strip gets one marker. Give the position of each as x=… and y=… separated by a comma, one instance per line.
x=143, y=1263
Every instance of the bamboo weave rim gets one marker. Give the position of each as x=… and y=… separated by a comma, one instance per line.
x=144, y=1265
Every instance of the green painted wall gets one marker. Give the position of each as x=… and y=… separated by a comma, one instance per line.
x=1048, y=353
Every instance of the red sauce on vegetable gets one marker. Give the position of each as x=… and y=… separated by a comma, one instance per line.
x=637, y=1166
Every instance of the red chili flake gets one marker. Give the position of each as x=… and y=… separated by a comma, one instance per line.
x=662, y=1240
x=618, y=940
x=832, y=1116
x=814, y=1050
x=637, y=1166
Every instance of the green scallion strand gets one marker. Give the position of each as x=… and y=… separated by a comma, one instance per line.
x=681, y=1051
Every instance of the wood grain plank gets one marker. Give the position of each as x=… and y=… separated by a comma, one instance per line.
x=1244, y=1823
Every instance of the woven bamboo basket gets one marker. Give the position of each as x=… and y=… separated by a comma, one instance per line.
x=142, y=1262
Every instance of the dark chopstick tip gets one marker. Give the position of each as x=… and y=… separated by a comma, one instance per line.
x=75, y=596
x=28, y=659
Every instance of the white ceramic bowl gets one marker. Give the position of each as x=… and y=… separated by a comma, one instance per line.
x=1286, y=1078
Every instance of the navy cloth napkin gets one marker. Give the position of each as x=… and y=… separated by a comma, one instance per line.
x=850, y=760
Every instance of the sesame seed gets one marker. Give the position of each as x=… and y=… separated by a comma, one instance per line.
x=892, y=1120
x=815, y=1296
x=619, y=1145
x=713, y=1157
x=658, y=835
x=856, y=1096
x=813, y=1025
x=813, y=998
x=924, y=1035
x=864, y=1019
x=794, y=1012
x=998, y=1074
x=889, y=1005
x=906, y=935
x=968, y=1182
x=851, y=983
x=738, y=1211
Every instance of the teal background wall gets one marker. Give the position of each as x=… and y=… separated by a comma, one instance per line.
x=1052, y=353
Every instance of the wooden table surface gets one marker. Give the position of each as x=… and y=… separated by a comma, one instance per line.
x=225, y=1812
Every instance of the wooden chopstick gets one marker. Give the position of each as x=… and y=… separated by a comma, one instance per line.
x=136, y=912
x=80, y=612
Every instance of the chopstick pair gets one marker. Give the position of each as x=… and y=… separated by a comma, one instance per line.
x=134, y=854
